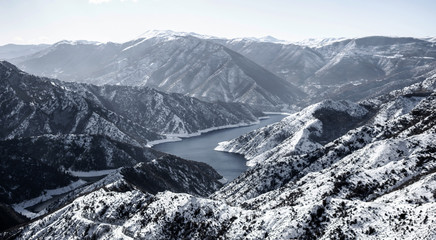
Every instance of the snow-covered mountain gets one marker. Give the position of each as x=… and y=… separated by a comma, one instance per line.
x=275, y=153
x=34, y=164
x=291, y=62
x=264, y=72
x=34, y=106
x=376, y=181
x=319, y=42
x=300, y=133
x=356, y=69
x=169, y=62
x=343, y=69
x=429, y=39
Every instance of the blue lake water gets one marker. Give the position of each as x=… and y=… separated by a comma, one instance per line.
x=200, y=148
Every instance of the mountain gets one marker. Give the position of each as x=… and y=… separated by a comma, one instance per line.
x=301, y=132
x=429, y=39
x=10, y=51
x=343, y=69
x=33, y=106
x=291, y=62
x=375, y=181
x=282, y=157
x=36, y=180
x=318, y=42
x=169, y=62
x=367, y=67
x=33, y=164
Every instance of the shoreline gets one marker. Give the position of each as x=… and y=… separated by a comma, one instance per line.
x=277, y=113
x=179, y=137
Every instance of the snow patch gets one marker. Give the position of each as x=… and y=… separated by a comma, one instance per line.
x=92, y=173
x=48, y=194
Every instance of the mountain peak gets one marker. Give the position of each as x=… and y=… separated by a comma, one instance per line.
x=170, y=35
x=78, y=42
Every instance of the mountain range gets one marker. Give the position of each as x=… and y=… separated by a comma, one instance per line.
x=355, y=158
x=265, y=72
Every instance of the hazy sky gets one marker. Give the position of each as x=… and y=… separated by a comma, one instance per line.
x=49, y=21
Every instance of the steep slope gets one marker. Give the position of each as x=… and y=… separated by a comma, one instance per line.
x=291, y=62
x=9, y=218
x=168, y=113
x=167, y=172
x=299, y=133
x=173, y=63
x=32, y=106
x=31, y=165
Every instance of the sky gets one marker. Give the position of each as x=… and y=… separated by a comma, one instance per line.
x=50, y=21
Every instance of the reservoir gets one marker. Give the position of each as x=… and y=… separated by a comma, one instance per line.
x=201, y=148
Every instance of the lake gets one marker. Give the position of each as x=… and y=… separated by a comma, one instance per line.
x=200, y=148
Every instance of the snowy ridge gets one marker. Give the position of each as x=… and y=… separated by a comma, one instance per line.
x=77, y=42
x=294, y=134
x=319, y=42
x=122, y=113
x=152, y=176
x=170, y=34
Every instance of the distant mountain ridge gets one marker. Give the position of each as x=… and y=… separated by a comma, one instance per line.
x=216, y=69
x=11, y=51
x=172, y=63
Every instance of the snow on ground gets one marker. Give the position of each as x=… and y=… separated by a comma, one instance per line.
x=178, y=137
x=92, y=173
x=20, y=207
